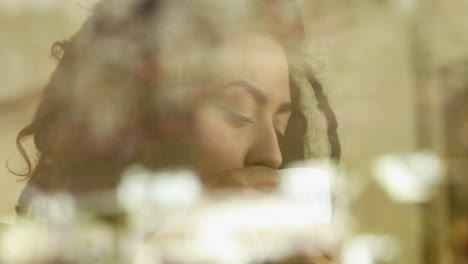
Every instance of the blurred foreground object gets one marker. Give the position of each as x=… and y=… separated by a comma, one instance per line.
x=370, y=249
x=292, y=225
x=183, y=223
x=411, y=177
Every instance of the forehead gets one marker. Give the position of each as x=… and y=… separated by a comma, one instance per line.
x=257, y=59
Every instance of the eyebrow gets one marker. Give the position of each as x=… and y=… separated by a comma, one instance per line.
x=258, y=95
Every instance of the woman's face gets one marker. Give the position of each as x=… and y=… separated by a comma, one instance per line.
x=235, y=124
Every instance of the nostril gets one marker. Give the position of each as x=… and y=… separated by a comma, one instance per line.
x=265, y=149
x=265, y=157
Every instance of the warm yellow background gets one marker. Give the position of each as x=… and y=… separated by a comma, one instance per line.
x=364, y=53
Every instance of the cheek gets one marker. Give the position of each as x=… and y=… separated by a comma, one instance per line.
x=217, y=145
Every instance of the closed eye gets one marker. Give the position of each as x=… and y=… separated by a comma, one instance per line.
x=281, y=121
x=236, y=119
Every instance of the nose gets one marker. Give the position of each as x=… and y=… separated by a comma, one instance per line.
x=265, y=149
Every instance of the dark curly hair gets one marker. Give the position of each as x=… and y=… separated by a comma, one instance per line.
x=113, y=70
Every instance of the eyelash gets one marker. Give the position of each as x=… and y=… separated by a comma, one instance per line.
x=237, y=120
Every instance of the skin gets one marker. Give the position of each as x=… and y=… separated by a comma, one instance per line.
x=235, y=122
x=235, y=125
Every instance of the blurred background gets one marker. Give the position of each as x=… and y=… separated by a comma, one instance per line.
x=396, y=72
